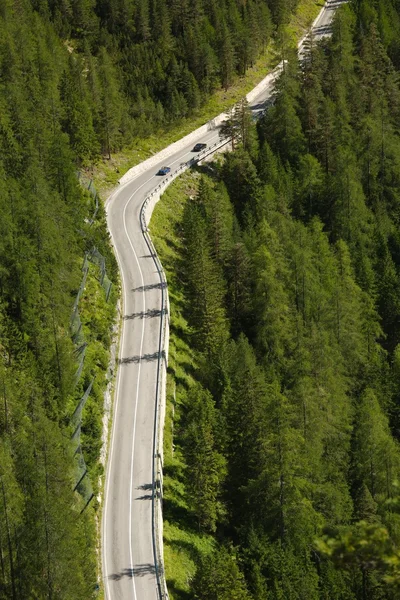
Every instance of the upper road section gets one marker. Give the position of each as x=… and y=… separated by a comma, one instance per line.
x=127, y=537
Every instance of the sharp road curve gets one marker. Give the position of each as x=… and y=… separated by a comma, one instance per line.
x=129, y=567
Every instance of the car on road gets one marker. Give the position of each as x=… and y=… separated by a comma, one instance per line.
x=199, y=147
x=164, y=171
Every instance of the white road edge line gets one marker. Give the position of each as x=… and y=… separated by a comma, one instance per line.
x=121, y=346
x=109, y=461
x=109, y=458
x=137, y=395
x=124, y=185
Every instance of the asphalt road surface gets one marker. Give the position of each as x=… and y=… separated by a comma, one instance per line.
x=127, y=537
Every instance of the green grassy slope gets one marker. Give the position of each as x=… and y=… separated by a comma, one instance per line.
x=182, y=543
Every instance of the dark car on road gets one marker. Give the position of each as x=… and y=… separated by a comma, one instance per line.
x=199, y=147
x=164, y=171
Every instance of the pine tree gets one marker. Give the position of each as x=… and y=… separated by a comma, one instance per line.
x=206, y=466
x=220, y=217
x=376, y=456
x=283, y=124
x=219, y=578
x=77, y=119
x=245, y=408
x=205, y=283
x=239, y=277
x=142, y=23
x=11, y=511
x=226, y=56
x=111, y=114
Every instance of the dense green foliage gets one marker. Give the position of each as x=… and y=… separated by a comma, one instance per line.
x=47, y=549
x=138, y=64
x=77, y=79
x=291, y=278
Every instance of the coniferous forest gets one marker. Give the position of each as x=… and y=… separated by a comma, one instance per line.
x=286, y=283
x=135, y=65
x=290, y=432
x=79, y=79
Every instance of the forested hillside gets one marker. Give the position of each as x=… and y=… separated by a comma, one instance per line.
x=47, y=548
x=283, y=262
x=78, y=79
x=138, y=64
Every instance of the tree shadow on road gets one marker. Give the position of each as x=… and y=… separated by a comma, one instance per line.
x=151, y=286
x=150, y=313
x=145, y=358
x=148, y=487
x=136, y=571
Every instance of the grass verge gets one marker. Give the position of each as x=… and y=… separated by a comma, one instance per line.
x=183, y=544
x=107, y=172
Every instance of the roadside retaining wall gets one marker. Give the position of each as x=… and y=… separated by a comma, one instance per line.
x=193, y=137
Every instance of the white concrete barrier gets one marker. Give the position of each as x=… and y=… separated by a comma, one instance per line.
x=172, y=149
x=195, y=135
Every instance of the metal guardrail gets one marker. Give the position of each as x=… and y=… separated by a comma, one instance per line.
x=157, y=467
x=182, y=167
x=157, y=481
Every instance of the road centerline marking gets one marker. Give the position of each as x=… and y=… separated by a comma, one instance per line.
x=117, y=399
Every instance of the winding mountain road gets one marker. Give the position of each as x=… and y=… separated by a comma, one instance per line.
x=128, y=539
